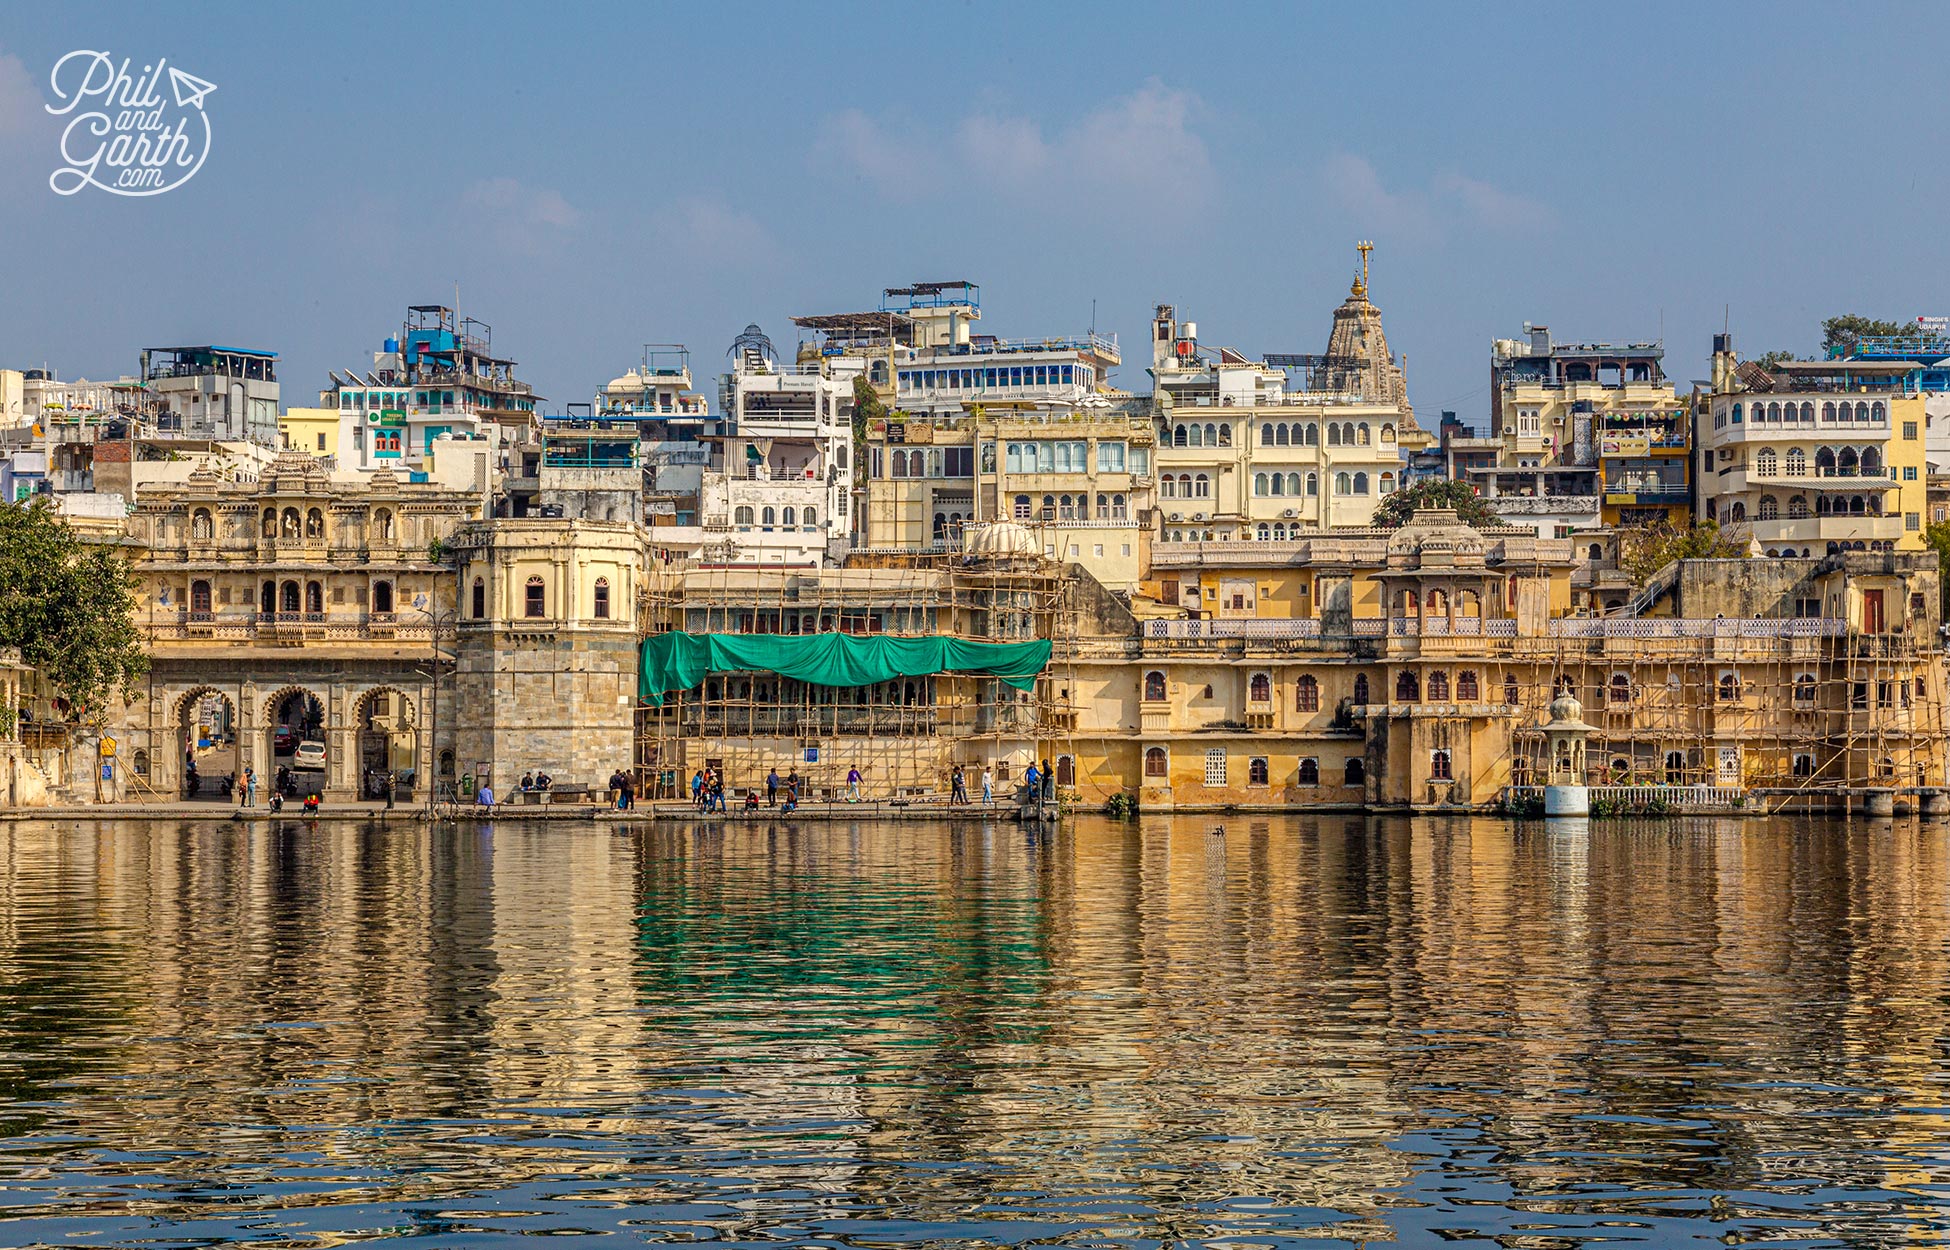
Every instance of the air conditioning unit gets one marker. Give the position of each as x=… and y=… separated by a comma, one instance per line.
x=1177, y=516
x=1198, y=516
x=1289, y=514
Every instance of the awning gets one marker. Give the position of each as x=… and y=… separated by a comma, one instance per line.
x=680, y=661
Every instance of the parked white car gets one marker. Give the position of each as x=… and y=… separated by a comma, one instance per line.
x=310, y=754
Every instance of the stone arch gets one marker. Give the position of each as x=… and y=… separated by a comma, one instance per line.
x=213, y=763
x=306, y=713
x=385, y=736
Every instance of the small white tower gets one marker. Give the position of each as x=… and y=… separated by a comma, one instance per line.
x=1565, y=793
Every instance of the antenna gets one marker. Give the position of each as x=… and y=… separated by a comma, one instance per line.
x=1364, y=247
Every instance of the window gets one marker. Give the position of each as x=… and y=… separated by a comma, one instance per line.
x=1110, y=457
x=1804, y=765
x=1439, y=768
x=315, y=598
x=1256, y=771
x=200, y=523
x=602, y=598
x=1309, y=772
x=1154, y=687
x=480, y=599
x=1354, y=772
x=288, y=597
x=1467, y=688
x=1909, y=427
x=743, y=515
x=1407, y=688
x=1912, y=521
x=1022, y=507
x=1262, y=688
x=1438, y=687
x=534, y=601
x=199, y=596
x=1360, y=688
x=1729, y=688
x=1156, y=763
x=1306, y=694
x=1215, y=766
x=1769, y=508
x=382, y=596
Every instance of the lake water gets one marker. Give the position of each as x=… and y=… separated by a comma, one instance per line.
x=1320, y=1032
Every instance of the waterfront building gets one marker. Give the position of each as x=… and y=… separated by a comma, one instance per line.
x=224, y=394
x=1244, y=455
x=673, y=422
x=1814, y=457
x=438, y=376
x=545, y=649
x=300, y=606
x=982, y=428
x=1582, y=435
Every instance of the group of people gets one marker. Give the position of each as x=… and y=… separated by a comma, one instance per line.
x=707, y=790
x=1040, y=782
x=536, y=783
x=380, y=784
x=773, y=786
x=624, y=789
x=958, y=787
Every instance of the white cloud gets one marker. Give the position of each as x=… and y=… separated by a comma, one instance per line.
x=20, y=98
x=1421, y=213
x=1142, y=142
x=517, y=216
x=710, y=231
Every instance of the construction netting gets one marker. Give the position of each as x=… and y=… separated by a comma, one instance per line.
x=679, y=661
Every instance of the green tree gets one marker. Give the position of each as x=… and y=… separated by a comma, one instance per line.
x=1771, y=359
x=1461, y=496
x=1845, y=330
x=867, y=407
x=69, y=606
x=1937, y=535
x=1647, y=549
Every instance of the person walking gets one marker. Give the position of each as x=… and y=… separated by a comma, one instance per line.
x=386, y=787
x=697, y=790
x=958, y=789
x=772, y=788
x=988, y=788
x=853, y=785
x=250, y=787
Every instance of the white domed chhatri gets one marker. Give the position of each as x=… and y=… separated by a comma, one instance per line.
x=1565, y=792
x=1000, y=540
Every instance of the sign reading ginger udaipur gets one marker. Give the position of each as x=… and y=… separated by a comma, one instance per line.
x=124, y=136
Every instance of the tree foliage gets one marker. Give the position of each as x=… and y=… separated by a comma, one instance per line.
x=1398, y=507
x=1844, y=331
x=1937, y=536
x=69, y=606
x=867, y=407
x=1770, y=359
x=1645, y=550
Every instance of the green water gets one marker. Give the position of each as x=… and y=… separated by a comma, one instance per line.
x=1329, y=1031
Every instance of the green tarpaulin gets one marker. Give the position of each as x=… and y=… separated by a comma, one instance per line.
x=679, y=661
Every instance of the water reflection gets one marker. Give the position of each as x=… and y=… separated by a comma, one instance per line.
x=1338, y=1030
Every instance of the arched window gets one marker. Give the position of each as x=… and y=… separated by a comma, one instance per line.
x=1283, y=435
x=1333, y=434
x=1871, y=462
x=288, y=523
x=1256, y=773
x=602, y=598
x=1178, y=436
x=1797, y=462
x=1360, y=483
x=1360, y=688
x=314, y=523
x=1769, y=508
x=1387, y=484
x=382, y=596
x=1293, y=483
x=1361, y=436
x=270, y=523
x=1203, y=485
x=382, y=525
x=1828, y=411
x=1804, y=688
x=534, y=601
x=1773, y=411
x=1438, y=687
x=1211, y=435
x=1407, y=688
x=1797, y=507
x=1259, y=484
x=1313, y=435
x=1264, y=532
x=480, y=599
x=1265, y=436
x=1468, y=690
x=1308, y=773
x=742, y=515
x=1729, y=688
x=1439, y=766
x=1155, y=762
x=314, y=597
x=789, y=516
x=1807, y=412
x=1876, y=411
x=1354, y=772
x=267, y=598
x=1022, y=507
x=1765, y=462
x=1387, y=434
x=1739, y=511
x=1262, y=688
x=200, y=526
x=1619, y=693
x=140, y=762
x=1168, y=486
x=199, y=596
x=768, y=517
x=1154, y=687
x=1306, y=694
x=1343, y=484
x=1313, y=483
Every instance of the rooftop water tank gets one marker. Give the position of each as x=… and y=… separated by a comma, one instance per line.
x=392, y=345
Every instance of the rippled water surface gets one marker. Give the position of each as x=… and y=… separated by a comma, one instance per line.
x=1325, y=1031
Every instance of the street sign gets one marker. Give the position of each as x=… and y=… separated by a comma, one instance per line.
x=108, y=772
x=108, y=747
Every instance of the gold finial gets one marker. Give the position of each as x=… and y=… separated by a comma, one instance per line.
x=1363, y=247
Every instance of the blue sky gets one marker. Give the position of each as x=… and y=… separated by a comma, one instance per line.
x=596, y=177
